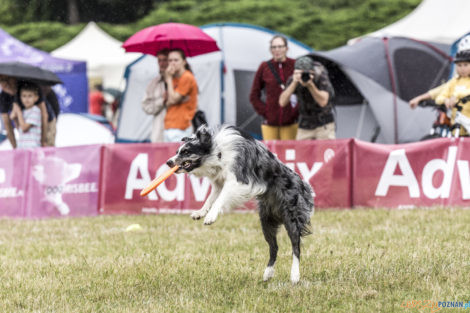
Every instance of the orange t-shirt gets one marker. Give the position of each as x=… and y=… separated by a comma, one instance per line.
x=180, y=115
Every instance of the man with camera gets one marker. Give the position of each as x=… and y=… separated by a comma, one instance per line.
x=311, y=89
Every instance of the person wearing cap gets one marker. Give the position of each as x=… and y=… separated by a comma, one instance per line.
x=458, y=88
x=311, y=88
x=464, y=44
x=268, y=83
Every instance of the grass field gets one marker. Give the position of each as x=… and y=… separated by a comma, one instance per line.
x=355, y=261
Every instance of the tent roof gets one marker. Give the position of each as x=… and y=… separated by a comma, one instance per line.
x=387, y=72
x=12, y=49
x=415, y=66
x=433, y=21
x=96, y=47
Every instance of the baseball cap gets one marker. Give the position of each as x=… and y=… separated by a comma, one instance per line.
x=304, y=63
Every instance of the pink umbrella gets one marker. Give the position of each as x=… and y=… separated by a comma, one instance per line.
x=191, y=39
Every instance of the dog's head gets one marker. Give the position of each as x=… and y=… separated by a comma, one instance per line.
x=194, y=150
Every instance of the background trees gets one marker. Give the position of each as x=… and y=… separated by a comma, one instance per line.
x=321, y=24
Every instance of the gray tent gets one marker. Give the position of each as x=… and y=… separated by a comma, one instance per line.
x=375, y=78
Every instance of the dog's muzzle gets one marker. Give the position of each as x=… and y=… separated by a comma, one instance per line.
x=170, y=163
x=185, y=165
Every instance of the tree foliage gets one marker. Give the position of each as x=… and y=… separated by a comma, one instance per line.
x=110, y=11
x=320, y=24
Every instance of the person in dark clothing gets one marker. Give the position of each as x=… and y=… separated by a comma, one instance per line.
x=271, y=77
x=312, y=89
x=7, y=97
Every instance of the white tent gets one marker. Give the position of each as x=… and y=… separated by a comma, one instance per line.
x=106, y=59
x=435, y=21
x=82, y=129
x=224, y=79
x=74, y=130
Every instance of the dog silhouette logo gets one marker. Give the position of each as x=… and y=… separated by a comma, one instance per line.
x=53, y=173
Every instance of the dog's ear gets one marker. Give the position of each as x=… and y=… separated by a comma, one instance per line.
x=204, y=135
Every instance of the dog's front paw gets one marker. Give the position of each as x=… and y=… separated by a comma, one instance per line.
x=295, y=278
x=211, y=217
x=268, y=273
x=196, y=215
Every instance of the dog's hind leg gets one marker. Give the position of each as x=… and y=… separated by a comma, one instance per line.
x=215, y=191
x=270, y=229
x=294, y=234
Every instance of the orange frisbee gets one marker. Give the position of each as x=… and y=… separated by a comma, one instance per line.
x=157, y=181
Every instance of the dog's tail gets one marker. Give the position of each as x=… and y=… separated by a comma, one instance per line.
x=307, y=209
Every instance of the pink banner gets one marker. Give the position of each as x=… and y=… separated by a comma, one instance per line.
x=325, y=164
x=128, y=168
x=88, y=180
x=14, y=172
x=428, y=173
x=64, y=181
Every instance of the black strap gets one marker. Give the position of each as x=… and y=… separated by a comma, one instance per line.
x=276, y=75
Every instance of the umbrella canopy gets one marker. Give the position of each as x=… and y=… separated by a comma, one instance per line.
x=28, y=72
x=191, y=39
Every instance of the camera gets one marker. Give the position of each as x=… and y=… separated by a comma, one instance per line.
x=305, y=77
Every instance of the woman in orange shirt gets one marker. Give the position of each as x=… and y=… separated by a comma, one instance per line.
x=182, y=97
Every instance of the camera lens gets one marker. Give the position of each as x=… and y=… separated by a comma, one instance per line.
x=305, y=76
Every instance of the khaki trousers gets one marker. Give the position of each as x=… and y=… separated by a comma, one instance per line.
x=326, y=131
x=287, y=132
x=51, y=129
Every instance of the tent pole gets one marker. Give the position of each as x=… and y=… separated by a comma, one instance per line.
x=222, y=77
x=394, y=89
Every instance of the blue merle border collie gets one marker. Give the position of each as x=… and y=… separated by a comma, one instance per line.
x=241, y=168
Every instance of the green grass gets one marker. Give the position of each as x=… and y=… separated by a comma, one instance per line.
x=355, y=261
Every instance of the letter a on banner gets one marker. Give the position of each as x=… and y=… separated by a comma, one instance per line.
x=406, y=179
x=139, y=165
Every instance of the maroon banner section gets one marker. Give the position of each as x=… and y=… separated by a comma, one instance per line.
x=128, y=168
x=428, y=173
x=325, y=164
x=14, y=173
x=87, y=180
x=64, y=181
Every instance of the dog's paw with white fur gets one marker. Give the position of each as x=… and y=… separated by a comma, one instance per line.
x=294, y=272
x=211, y=217
x=268, y=273
x=196, y=215
x=294, y=278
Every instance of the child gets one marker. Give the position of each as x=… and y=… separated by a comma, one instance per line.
x=458, y=88
x=28, y=121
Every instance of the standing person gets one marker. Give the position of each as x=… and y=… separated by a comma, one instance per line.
x=154, y=102
x=271, y=76
x=29, y=120
x=181, y=97
x=96, y=100
x=312, y=89
x=7, y=97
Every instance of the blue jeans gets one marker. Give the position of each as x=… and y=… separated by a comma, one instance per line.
x=175, y=134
